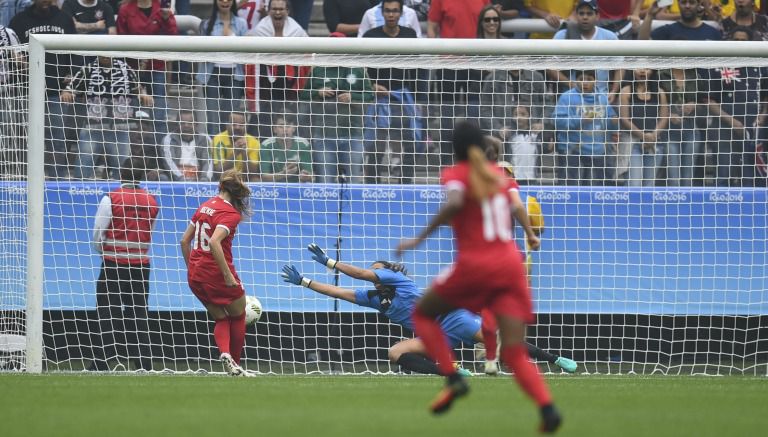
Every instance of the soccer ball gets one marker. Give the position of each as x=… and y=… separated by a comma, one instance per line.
x=252, y=310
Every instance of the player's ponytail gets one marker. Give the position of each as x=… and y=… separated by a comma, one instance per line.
x=482, y=179
x=232, y=182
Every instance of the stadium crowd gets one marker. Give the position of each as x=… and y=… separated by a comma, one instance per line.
x=637, y=127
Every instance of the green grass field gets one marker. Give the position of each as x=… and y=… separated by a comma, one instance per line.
x=357, y=406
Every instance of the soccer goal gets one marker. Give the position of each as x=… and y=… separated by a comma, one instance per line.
x=646, y=159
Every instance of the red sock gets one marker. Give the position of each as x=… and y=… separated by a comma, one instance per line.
x=526, y=373
x=435, y=342
x=237, y=336
x=221, y=334
x=489, y=328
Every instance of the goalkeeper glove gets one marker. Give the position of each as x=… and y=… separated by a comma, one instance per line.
x=319, y=255
x=292, y=276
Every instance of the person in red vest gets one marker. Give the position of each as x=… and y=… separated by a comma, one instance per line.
x=122, y=234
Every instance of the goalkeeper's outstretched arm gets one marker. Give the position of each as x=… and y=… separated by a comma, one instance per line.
x=291, y=275
x=319, y=255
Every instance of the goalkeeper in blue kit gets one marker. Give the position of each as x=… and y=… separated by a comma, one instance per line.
x=395, y=295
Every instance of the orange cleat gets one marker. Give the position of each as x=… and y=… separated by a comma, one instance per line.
x=455, y=387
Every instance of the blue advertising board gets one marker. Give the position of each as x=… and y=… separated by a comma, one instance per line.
x=605, y=250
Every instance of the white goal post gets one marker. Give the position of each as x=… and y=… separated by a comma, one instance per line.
x=602, y=264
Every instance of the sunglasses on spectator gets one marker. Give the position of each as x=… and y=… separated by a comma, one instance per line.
x=491, y=20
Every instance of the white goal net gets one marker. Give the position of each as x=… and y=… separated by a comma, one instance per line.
x=650, y=173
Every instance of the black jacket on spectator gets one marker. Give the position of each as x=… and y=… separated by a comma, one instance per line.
x=345, y=11
x=93, y=14
x=392, y=78
x=30, y=21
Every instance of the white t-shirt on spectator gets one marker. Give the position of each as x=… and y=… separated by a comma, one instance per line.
x=374, y=17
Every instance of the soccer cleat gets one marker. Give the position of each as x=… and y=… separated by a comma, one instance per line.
x=550, y=419
x=455, y=387
x=566, y=364
x=232, y=368
x=491, y=367
x=460, y=370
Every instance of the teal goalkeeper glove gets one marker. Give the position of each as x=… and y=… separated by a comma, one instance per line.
x=319, y=255
x=292, y=276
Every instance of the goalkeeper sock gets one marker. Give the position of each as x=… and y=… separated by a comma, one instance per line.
x=430, y=332
x=526, y=374
x=236, y=336
x=489, y=328
x=418, y=363
x=540, y=354
x=221, y=335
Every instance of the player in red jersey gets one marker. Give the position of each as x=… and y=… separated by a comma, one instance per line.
x=487, y=273
x=207, y=249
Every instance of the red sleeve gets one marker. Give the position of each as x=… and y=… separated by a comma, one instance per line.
x=512, y=184
x=435, y=13
x=229, y=219
x=168, y=27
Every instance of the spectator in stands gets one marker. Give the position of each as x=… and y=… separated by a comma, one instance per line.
x=525, y=145
x=235, y=148
x=109, y=89
x=733, y=97
x=745, y=14
x=252, y=11
x=457, y=90
x=122, y=234
x=148, y=17
x=505, y=90
x=489, y=23
x=712, y=10
x=682, y=89
x=9, y=9
x=644, y=113
x=92, y=17
x=391, y=124
x=286, y=157
x=420, y=6
x=622, y=17
x=187, y=152
x=272, y=89
x=44, y=17
x=222, y=82
x=144, y=146
x=14, y=86
x=335, y=98
x=583, y=119
x=302, y=12
x=585, y=28
x=344, y=16
x=689, y=27
x=374, y=17
x=554, y=12
x=278, y=22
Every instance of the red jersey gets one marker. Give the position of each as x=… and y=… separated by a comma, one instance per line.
x=488, y=272
x=481, y=227
x=213, y=213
